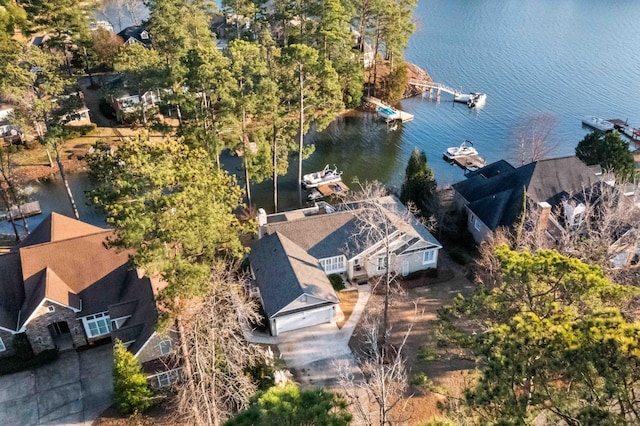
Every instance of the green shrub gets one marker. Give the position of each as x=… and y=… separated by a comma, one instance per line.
x=13, y=364
x=421, y=380
x=426, y=353
x=336, y=282
x=130, y=387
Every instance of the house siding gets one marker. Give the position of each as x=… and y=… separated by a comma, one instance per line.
x=415, y=262
x=38, y=332
x=477, y=228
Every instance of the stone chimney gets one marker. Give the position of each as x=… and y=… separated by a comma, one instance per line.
x=262, y=222
x=545, y=214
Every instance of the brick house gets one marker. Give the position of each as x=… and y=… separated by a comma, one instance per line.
x=63, y=288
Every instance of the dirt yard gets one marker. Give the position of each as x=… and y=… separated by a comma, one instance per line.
x=416, y=311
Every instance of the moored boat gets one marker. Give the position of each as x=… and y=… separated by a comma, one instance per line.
x=477, y=100
x=326, y=175
x=598, y=124
x=465, y=149
x=463, y=98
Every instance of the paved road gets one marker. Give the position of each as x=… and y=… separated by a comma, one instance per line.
x=73, y=390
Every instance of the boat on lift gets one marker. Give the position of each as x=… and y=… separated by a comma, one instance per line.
x=598, y=124
x=326, y=175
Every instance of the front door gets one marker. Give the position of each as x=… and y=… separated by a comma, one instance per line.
x=405, y=268
x=59, y=328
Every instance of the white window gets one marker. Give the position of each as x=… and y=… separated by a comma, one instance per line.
x=381, y=263
x=166, y=378
x=334, y=264
x=165, y=346
x=476, y=223
x=2, y=346
x=51, y=308
x=97, y=325
x=119, y=322
x=428, y=256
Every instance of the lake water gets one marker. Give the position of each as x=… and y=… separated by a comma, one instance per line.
x=567, y=58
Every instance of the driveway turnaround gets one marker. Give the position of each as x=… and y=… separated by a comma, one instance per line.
x=317, y=353
x=73, y=390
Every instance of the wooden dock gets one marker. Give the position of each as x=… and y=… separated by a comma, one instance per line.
x=468, y=162
x=430, y=86
x=24, y=210
x=402, y=115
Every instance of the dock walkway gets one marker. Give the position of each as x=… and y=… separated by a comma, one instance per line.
x=24, y=210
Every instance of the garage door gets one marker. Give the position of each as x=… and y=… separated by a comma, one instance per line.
x=303, y=319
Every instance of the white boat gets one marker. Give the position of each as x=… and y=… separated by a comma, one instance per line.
x=463, y=98
x=326, y=175
x=464, y=150
x=598, y=124
x=477, y=100
x=388, y=113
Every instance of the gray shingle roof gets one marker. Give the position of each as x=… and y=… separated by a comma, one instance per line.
x=498, y=200
x=284, y=271
x=323, y=235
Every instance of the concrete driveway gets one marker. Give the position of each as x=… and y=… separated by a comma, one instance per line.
x=73, y=390
x=316, y=353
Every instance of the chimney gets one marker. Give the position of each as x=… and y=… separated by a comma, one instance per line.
x=545, y=214
x=262, y=222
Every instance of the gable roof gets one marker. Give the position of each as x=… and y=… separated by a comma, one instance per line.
x=135, y=32
x=57, y=227
x=498, y=196
x=284, y=271
x=66, y=261
x=329, y=234
x=321, y=236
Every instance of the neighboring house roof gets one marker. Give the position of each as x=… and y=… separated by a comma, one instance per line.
x=136, y=33
x=284, y=271
x=497, y=196
x=67, y=262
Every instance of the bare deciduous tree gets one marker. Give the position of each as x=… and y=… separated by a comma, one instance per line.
x=380, y=398
x=216, y=354
x=534, y=139
x=384, y=222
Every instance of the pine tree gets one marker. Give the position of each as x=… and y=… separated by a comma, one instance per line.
x=419, y=183
x=130, y=387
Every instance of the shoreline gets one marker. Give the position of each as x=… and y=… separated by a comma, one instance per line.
x=32, y=165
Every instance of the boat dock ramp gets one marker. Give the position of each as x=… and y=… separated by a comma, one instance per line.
x=23, y=210
x=387, y=112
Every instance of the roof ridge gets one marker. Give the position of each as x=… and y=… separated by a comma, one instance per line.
x=68, y=239
x=289, y=265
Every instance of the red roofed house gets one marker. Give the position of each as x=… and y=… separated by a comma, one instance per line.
x=63, y=288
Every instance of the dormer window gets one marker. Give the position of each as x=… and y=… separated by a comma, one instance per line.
x=144, y=35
